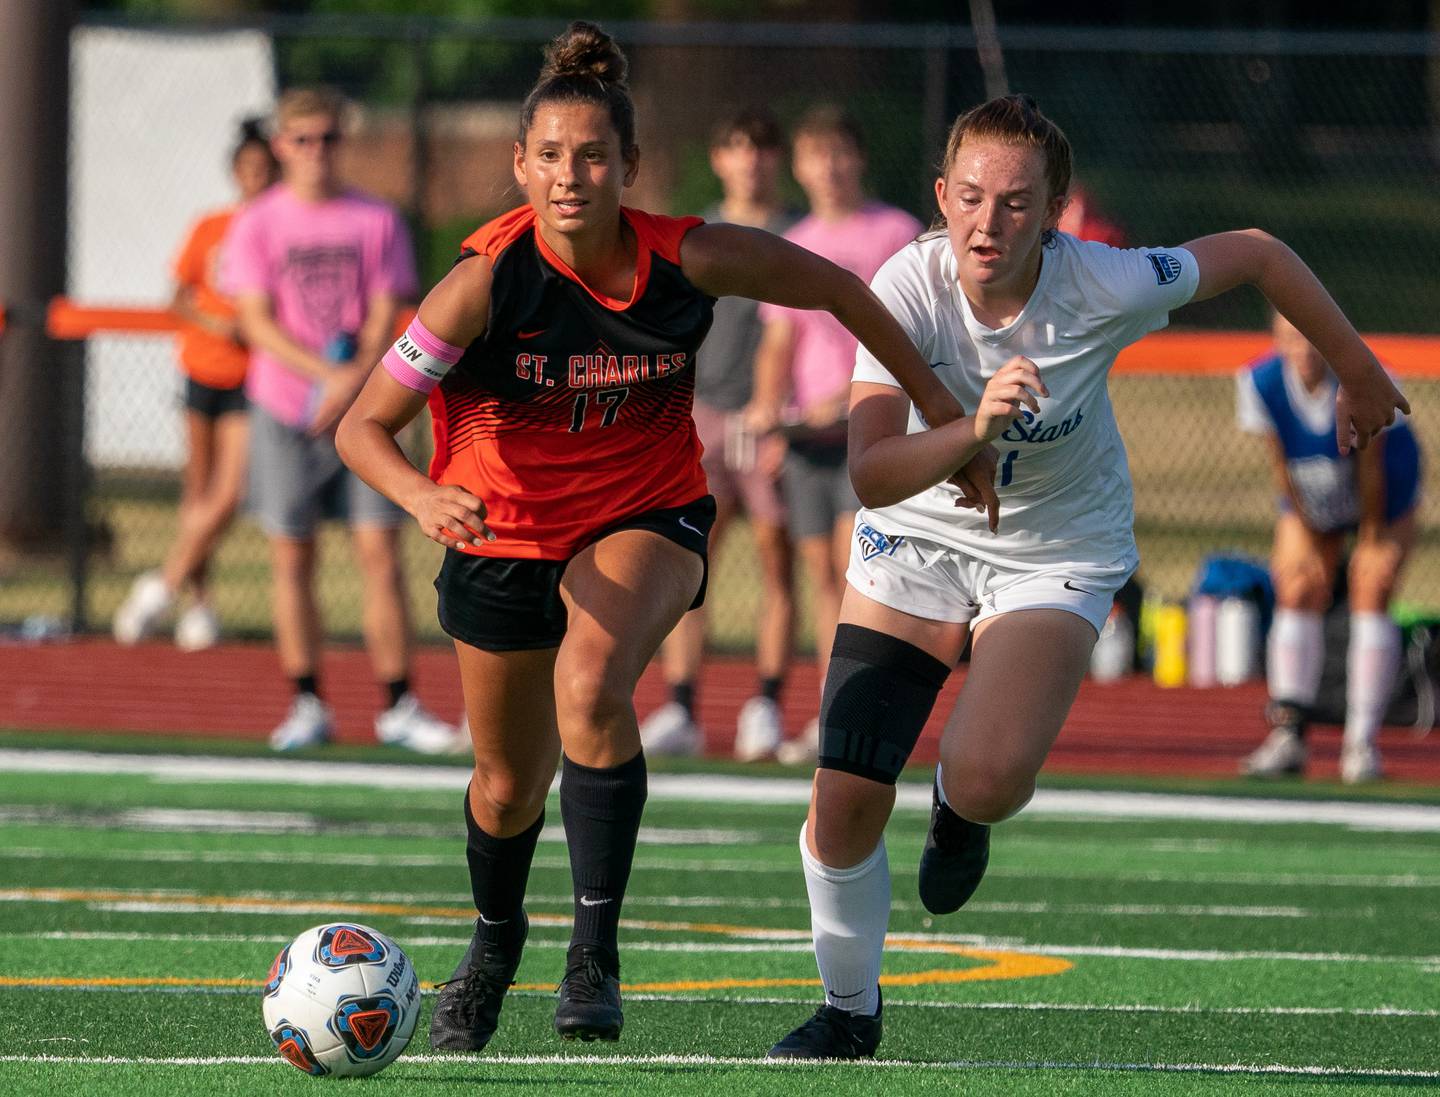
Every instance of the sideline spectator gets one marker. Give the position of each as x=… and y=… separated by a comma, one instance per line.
x=319, y=272
x=216, y=430
x=747, y=153
x=1083, y=220
x=803, y=368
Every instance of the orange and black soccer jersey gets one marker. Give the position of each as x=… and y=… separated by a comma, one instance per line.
x=571, y=413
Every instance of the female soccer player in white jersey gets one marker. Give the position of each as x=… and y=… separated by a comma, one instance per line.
x=1021, y=323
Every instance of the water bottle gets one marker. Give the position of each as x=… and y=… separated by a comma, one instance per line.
x=41, y=628
x=1114, y=650
x=740, y=444
x=1237, y=641
x=1169, y=669
x=1203, y=610
x=340, y=349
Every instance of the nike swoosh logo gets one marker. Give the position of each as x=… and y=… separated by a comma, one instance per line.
x=530, y=334
x=502, y=922
x=842, y=997
x=586, y=901
x=691, y=528
x=1078, y=590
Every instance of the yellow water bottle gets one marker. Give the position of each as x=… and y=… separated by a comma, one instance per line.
x=1170, y=646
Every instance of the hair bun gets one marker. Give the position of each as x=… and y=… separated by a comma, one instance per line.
x=587, y=51
x=252, y=129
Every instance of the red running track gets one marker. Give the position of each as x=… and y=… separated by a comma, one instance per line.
x=236, y=691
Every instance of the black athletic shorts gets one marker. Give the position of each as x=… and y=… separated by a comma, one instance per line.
x=212, y=402
x=498, y=604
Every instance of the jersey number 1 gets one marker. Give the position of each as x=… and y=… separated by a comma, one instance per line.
x=1007, y=468
x=609, y=399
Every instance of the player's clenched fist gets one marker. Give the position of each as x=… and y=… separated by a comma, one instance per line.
x=1363, y=412
x=1015, y=386
x=452, y=516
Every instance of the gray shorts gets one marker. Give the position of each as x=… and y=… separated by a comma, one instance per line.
x=297, y=480
x=818, y=492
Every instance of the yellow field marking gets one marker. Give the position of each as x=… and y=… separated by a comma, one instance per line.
x=124, y=981
x=998, y=964
x=1001, y=965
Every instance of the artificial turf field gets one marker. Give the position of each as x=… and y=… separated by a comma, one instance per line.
x=1164, y=943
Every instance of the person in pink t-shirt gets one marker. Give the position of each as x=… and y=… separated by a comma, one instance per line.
x=805, y=359
x=318, y=273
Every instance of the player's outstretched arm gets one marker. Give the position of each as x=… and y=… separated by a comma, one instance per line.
x=452, y=316
x=1367, y=399
x=733, y=261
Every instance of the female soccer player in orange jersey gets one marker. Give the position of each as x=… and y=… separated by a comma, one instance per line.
x=567, y=487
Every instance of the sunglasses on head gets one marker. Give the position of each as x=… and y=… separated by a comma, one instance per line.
x=329, y=137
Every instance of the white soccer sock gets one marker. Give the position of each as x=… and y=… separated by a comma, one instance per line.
x=849, y=913
x=1370, y=665
x=1297, y=655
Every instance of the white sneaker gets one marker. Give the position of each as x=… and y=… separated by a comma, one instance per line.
x=1283, y=752
x=307, y=724
x=757, y=730
x=804, y=749
x=1359, y=764
x=407, y=723
x=197, y=629
x=148, y=601
x=669, y=732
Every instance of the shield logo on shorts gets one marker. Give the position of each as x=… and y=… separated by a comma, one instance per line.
x=874, y=543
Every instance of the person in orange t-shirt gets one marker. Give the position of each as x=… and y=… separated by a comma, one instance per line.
x=216, y=429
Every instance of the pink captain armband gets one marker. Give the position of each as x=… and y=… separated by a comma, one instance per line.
x=420, y=359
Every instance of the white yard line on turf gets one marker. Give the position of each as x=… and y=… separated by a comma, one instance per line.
x=763, y=939
x=773, y=1064
x=727, y=788
x=713, y=867
x=896, y=1003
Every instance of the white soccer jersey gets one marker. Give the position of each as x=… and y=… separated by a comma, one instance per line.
x=1063, y=482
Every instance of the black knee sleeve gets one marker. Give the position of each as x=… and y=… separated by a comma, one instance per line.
x=878, y=695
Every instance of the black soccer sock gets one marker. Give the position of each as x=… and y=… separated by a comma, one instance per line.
x=683, y=694
x=499, y=871
x=1290, y=715
x=770, y=688
x=306, y=683
x=395, y=690
x=601, y=809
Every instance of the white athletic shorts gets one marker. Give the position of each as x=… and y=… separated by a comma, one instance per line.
x=939, y=583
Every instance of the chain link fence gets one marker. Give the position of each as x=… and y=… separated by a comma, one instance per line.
x=1329, y=142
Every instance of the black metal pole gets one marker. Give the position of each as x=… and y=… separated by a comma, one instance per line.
x=420, y=148
x=34, y=116
x=75, y=492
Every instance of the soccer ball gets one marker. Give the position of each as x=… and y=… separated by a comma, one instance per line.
x=341, y=999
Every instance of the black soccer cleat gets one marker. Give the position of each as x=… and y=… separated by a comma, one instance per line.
x=954, y=860
x=589, y=1006
x=468, y=1008
x=832, y=1034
